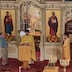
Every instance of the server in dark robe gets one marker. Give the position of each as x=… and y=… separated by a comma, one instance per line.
x=53, y=24
x=8, y=23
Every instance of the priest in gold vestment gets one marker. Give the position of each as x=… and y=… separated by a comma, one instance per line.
x=66, y=47
x=27, y=50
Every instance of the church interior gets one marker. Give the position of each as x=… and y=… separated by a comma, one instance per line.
x=36, y=16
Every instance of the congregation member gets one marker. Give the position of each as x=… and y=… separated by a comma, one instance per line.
x=4, y=49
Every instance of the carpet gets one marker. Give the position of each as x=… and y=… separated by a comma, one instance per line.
x=13, y=65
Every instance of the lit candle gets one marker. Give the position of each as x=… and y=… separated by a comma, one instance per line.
x=20, y=69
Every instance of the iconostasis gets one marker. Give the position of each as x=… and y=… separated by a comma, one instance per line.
x=29, y=14
x=34, y=16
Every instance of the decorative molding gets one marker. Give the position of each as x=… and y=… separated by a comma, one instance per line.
x=67, y=15
x=7, y=5
x=68, y=12
x=35, y=3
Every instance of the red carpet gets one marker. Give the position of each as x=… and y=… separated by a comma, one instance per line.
x=13, y=65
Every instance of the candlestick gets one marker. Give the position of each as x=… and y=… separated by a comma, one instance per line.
x=19, y=68
x=64, y=63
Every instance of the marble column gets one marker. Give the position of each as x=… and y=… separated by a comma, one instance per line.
x=18, y=18
x=17, y=24
x=42, y=35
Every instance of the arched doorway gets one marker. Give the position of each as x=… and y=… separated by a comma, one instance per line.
x=30, y=18
x=68, y=29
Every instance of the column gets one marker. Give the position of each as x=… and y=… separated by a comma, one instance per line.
x=42, y=35
x=17, y=25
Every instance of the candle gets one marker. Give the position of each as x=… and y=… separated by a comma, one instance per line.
x=20, y=69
